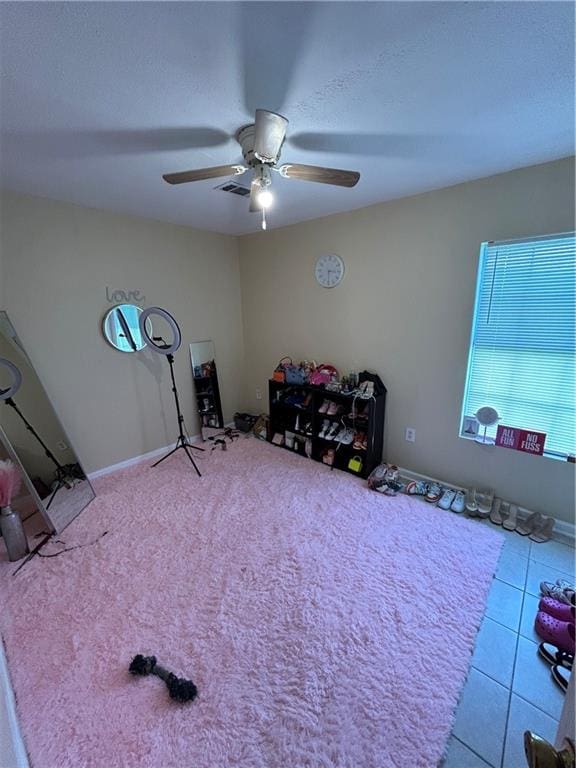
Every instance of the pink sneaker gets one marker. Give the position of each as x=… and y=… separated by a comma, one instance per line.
x=559, y=633
x=324, y=407
x=556, y=609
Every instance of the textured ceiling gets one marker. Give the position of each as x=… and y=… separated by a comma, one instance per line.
x=99, y=99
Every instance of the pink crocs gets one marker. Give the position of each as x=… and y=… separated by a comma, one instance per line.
x=559, y=633
x=557, y=609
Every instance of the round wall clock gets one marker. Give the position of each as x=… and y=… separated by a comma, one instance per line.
x=329, y=270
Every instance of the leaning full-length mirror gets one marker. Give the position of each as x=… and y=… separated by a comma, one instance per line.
x=36, y=437
x=205, y=375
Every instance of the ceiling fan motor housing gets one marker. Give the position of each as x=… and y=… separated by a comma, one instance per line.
x=245, y=137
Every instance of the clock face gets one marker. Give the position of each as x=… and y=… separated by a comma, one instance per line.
x=329, y=270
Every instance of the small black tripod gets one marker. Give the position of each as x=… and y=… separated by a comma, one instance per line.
x=182, y=441
x=61, y=475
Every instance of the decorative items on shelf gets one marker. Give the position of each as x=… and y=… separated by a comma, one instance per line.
x=206, y=385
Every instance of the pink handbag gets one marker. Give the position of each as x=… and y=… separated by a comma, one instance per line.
x=324, y=374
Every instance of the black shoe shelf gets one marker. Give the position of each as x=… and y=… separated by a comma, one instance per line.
x=283, y=417
x=208, y=400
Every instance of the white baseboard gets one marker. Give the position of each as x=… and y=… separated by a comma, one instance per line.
x=563, y=530
x=13, y=750
x=137, y=459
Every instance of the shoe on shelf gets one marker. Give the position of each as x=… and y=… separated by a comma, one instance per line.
x=308, y=401
x=333, y=431
x=417, y=488
x=324, y=407
x=328, y=456
x=341, y=435
x=433, y=493
x=561, y=590
x=557, y=609
x=325, y=427
x=559, y=633
x=447, y=498
x=458, y=504
x=333, y=409
x=308, y=429
x=359, y=441
x=348, y=436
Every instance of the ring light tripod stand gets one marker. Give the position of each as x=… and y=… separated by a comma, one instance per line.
x=168, y=350
x=61, y=475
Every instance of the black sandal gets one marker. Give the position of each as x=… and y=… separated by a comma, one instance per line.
x=555, y=657
x=561, y=675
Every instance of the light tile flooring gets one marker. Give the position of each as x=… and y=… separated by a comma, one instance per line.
x=509, y=687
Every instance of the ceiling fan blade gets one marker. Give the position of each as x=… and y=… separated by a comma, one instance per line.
x=321, y=175
x=269, y=135
x=255, y=206
x=204, y=173
x=394, y=145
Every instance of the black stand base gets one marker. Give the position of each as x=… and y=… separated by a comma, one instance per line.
x=181, y=443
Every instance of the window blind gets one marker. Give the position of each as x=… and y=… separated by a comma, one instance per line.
x=522, y=352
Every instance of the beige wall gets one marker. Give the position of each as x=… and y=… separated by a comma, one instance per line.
x=55, y=263
x=404, y=310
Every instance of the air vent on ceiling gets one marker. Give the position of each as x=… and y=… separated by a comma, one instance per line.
x=234, y=189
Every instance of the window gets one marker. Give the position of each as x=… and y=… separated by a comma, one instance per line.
x=522, y=357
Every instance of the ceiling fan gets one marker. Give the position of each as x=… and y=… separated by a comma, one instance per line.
x=261, y=143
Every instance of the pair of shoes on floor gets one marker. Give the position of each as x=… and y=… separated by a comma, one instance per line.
x=386, y=479
x=537, y=526
x=554, y=624
x=505, y=514
x=434, y=493
x=453, y=500
x=561, y=663
x=561, y=590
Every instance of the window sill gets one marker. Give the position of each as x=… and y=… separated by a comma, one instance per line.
x=545, y=455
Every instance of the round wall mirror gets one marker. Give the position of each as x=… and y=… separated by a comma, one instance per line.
x=121, y=328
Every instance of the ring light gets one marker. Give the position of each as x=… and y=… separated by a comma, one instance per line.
x=163, y=349
x=6, y=394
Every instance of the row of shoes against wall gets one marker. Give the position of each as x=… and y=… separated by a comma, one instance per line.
x=476, y=502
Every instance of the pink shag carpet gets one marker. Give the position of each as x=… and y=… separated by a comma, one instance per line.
x=325, y=625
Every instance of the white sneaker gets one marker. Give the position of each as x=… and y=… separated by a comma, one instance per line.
x=325, y=428
x=447, y=498
x=341, y=435
x=333, y=431
x=459, y=502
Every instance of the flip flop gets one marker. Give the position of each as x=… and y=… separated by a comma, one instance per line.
x=532, y=521
x=554, y=657
x=543, y=532
x=510, y=523
x=499, y=513
x=561, y=675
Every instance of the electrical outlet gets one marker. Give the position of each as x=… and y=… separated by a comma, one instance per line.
x=258, y=393
x=61, y=445
x=410, y=434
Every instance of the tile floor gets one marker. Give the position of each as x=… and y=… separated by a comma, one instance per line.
x=509, y=688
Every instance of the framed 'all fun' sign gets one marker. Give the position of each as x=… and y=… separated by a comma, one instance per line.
x=524, y=440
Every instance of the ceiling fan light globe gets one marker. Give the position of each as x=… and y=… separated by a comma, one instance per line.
x=265, y=198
